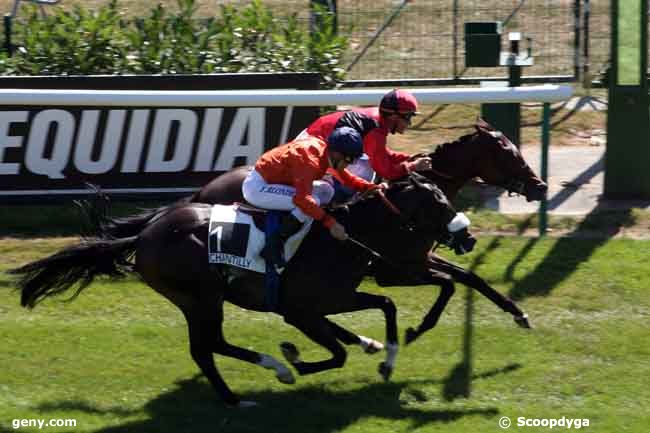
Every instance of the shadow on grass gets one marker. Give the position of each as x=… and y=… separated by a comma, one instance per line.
x=193, y=407
x=458, y=384
x=565, y=256
x=568, y=252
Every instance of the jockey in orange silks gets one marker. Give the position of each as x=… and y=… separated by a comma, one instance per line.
x=289, y=177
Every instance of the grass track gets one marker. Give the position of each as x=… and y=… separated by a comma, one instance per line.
x=116, y=359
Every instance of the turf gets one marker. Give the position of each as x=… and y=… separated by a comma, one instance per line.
x=116, y=359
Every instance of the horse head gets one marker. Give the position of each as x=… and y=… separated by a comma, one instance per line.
x=489, y=155
x=424, y=210
x=502, y=164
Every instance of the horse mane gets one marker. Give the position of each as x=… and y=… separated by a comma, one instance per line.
x=451, y=147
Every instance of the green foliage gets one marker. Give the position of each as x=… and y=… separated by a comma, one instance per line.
x=76, y=42
x=249, y=39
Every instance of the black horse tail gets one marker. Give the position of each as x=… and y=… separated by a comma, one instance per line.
x=77, y=264
x=128, y=226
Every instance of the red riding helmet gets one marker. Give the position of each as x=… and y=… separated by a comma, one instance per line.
x=399, y=101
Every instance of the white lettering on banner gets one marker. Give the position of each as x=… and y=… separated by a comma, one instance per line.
x=148, y=137
x=251, y=120
x=6, y=140
x=183, y=147
x=109, y=146
x=35, y=160
x=135, y=141
x=209, y=133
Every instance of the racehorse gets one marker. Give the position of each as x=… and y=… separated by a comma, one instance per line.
x=170, y=254
x=486, y=154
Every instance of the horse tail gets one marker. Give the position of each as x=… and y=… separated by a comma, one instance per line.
x=132, y=225
x=77, y=264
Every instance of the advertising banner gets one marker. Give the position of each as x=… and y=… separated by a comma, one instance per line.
x=139, y=151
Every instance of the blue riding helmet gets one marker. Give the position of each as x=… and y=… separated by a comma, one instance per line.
x=347, y=141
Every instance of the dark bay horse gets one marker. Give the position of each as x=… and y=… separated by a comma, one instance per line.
x=486, y=154
x=170, y=254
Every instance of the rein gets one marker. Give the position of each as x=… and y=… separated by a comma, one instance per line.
x=389, y=204
x=440, y=174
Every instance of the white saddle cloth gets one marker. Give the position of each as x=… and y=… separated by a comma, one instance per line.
x=235, y=240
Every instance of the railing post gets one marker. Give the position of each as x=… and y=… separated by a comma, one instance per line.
x=546, y=133
x=7, y=25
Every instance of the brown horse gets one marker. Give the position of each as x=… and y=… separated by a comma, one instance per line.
x=486, y=154
x=170, y=254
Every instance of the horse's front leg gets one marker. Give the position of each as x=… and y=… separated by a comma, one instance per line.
x=470, y=279
x=419, y=275
x=430, y=320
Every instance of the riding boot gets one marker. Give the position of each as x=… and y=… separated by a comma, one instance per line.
x=273, y=251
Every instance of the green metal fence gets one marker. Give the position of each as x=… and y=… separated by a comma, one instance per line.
x=424, y=39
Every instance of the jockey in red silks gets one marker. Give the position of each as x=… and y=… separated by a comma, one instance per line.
x=289, y=177
x=393, y=115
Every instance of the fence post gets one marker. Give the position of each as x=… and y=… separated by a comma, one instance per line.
x=7, y=25
x=576, y=40
x=586, y=75
x=546, y=132
x=315, y=20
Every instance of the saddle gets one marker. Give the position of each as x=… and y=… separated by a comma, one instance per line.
x=237, y=234
x=258, y=214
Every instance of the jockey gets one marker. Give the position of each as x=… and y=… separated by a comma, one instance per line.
x=288, y=178
x=393, y=115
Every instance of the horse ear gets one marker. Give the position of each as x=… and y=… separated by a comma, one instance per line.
x=482, y=125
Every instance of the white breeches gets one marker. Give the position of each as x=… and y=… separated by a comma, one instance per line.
x=280, y=197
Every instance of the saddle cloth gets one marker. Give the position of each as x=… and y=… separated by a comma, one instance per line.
x=235, y=240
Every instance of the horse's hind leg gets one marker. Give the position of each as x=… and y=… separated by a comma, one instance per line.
x=205, y=322
x=204, y=329
x=368, y=345
x=222, y=347
x=318, y=329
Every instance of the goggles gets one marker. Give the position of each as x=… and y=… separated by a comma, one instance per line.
x=407, y=116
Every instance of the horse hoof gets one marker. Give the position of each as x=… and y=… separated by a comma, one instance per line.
x=522, y=321
x=290, y=352
x=410, y=335
x=286, y=377
x=385, y=370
